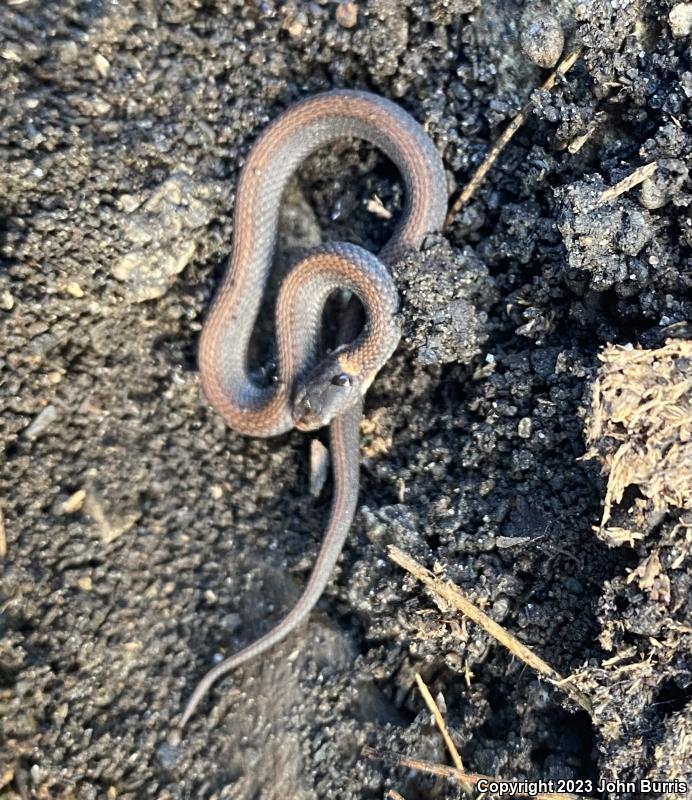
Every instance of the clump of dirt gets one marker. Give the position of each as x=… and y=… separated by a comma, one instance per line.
x=445, y=297
x=607, y=244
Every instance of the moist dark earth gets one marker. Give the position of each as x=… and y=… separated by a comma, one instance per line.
x=143, y=539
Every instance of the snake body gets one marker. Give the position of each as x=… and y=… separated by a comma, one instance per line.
x=313, y=390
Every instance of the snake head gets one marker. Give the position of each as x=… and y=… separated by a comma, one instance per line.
x=328, y=390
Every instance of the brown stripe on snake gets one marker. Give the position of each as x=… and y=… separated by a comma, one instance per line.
x=313, y=389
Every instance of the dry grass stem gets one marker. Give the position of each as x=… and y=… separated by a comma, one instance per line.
x=439, y=721
x=456, y=775
x=452, y=595
x=638, y=176
x=444, y=731
x=479, y=175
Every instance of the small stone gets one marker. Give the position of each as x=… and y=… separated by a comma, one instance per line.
x=100, y=106
x=85, y=584
x=668, y=181
x=168, y=755
x=216, y=491
x=11, y=52
x=347, y=14
x=162, y=230
x=42, y=421
x=74, y=289
x=6, y=301
x=69, y=52
x=651, y=196
x=542, y=39
x=295, y=25
x=74, y=502
x=524, y=428
x=102, y=65
x=680, y=19
x=319, y=464
x=129, y=203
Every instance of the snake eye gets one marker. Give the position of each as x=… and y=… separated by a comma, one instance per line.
x=341, y=380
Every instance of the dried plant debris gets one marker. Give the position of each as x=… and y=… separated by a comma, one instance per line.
x=641, y=430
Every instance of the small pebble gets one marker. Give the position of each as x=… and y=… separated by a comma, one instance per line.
x=69, y=53
x=74, y=502
x=667, y=182
x=319, y=464
x=216, y=491
x=651, y=196
x=42, y=421
x=6, y=301
x=11, y=52
x=74, y=289
x=524, y=428
x=375, y=207
x=167, y=755
x=542, y=39
x=347, y=14
x=295, y=25
x=680, y=19
x=102, y=65
x=100, y=106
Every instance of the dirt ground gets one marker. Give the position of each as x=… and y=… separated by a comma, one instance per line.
x=142, y=539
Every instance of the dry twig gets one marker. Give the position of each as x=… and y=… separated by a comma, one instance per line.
x=479, y=175
x=455, y=597
x=442, y=727
x=454, y=774
x=638, y=176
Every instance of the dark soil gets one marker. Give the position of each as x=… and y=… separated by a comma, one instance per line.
x=144, y=539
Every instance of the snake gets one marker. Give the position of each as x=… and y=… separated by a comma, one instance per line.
x=313, y=388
